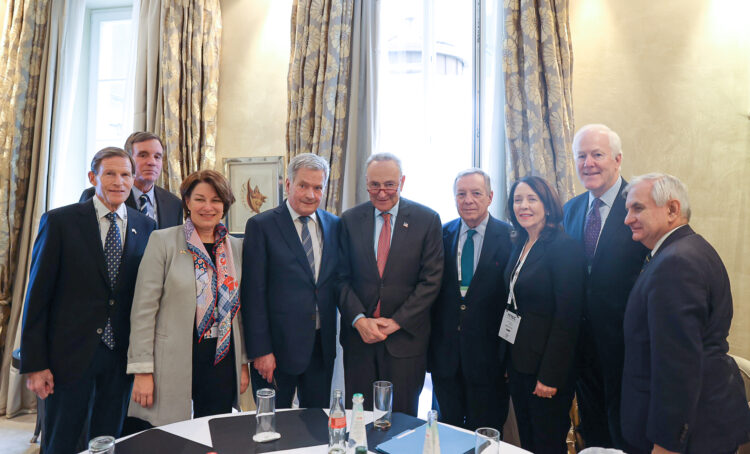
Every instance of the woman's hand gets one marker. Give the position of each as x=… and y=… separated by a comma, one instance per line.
x=542, y=390
x=143, y=390
x=244, y=378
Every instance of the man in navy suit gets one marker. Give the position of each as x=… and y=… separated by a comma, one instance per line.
x=392, y=265
x=465, y=357
x=614, y=261
x=288, y=290
x=76, y=320
x=681, y=391
x=157, y=203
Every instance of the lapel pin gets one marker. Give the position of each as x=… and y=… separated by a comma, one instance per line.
x=183, y=251
x=134, y=232
x=406, y=225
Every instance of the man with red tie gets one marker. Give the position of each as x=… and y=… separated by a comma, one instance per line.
x=392, y=265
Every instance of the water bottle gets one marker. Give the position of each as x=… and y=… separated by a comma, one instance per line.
x=431, y=439
x=337, y=424
x=357, y=434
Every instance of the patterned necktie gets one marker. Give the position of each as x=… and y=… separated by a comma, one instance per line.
x=384, y=246
x=307, y=242
x=113, y=256
x=467, y=259
x=592, y=230
x=645, y=261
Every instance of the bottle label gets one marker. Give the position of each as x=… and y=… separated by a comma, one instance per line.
x=337, y=423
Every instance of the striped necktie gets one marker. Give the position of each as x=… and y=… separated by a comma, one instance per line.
x=307, y=242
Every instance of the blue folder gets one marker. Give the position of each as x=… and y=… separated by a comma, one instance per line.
x=452, y=441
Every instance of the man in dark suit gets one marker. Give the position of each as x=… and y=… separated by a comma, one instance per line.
x=76, y=319
x=157, y=203
x=465, y=357
x=681, y=391
x=288, y=292
x=392, y=265
x=614, y=261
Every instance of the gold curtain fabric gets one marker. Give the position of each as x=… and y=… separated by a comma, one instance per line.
x=318, y=86
x=25, y=39
x=538, y=68
x=189, y=85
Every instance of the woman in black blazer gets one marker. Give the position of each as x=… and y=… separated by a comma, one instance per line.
x=545, y=275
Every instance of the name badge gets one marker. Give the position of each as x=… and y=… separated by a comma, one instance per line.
x=509, y=326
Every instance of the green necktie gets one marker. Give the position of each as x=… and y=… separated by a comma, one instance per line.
x=467, y=259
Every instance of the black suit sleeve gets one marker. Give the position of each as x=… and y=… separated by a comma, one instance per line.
x=567, y=266
x=428, y=285
x=45, y=262
x=677, y=314
x=253, y=291
x=349, y=303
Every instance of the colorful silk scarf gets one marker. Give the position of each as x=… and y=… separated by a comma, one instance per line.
x=217, y=288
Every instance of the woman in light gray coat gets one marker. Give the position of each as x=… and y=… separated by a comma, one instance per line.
x=186, y=338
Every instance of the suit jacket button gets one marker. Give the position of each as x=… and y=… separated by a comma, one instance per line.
x=111, y=302
x=459, y=328
x=99, y=331
x=463, y=307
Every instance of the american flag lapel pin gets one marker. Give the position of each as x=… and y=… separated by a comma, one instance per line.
x=134, y=232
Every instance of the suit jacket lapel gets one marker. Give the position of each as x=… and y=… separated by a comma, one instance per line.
x=289, y=233
x=367, y=234
x=614, y=220
x=159, y=206
x=451, y=254
x=578, y=216
x=327, y=248
x=678, y=234
x=133, y=229
x=89, y=225
x=400, y=231
x=130, y=201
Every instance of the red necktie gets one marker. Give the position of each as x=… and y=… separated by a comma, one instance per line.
x=384, y=245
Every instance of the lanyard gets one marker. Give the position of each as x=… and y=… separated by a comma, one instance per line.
x=516, y=272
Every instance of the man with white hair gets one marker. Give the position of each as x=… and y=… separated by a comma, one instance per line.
x=288, y=290
x=681, y=391
x=614, y=261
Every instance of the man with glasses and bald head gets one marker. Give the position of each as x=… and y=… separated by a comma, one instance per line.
x=392, y=255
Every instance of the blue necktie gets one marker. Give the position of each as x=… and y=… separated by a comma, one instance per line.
x=467, y=259
x=145, y=206
x=113, y=255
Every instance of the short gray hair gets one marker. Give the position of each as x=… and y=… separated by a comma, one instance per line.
x=665, y=188
x=111, y=152
x=474, y=171
x=615, y=144
x=307, y=161
x=379, y=157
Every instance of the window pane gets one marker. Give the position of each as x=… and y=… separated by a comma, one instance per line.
x=424, y=104
x=114, y=46
x=110, y=112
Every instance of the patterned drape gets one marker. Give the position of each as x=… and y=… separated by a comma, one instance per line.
x=22, y=59
x=538, y=68
x=189, y=85
x=318, y=86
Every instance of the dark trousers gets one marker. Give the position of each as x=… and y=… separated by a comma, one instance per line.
x=214, y=386
x=543, y=423
x=590, y=396
x=471, y=405
x=313, y=386
x=372, y=362
x=99, y=399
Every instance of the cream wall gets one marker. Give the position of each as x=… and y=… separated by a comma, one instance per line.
x=673, y=79
x=252, y=84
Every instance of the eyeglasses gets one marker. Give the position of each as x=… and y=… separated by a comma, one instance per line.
x=373, y=187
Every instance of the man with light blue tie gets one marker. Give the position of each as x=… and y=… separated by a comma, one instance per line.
x=76, y=320
x=155, y=202
x=466, y=358
x=288, y=289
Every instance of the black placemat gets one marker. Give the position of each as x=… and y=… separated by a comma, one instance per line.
x=157, y=441
x=399, y=423
x=298, y=429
